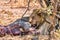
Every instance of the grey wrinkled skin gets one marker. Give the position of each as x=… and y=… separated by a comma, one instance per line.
x=23, y=23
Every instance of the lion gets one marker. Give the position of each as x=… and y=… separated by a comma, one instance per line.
x=39, y=18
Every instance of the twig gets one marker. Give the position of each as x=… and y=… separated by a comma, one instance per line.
x=26, y=9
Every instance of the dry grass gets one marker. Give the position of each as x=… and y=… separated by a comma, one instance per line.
x=28, y=37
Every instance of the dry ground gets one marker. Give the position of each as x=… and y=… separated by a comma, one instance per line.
x=28, y=37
